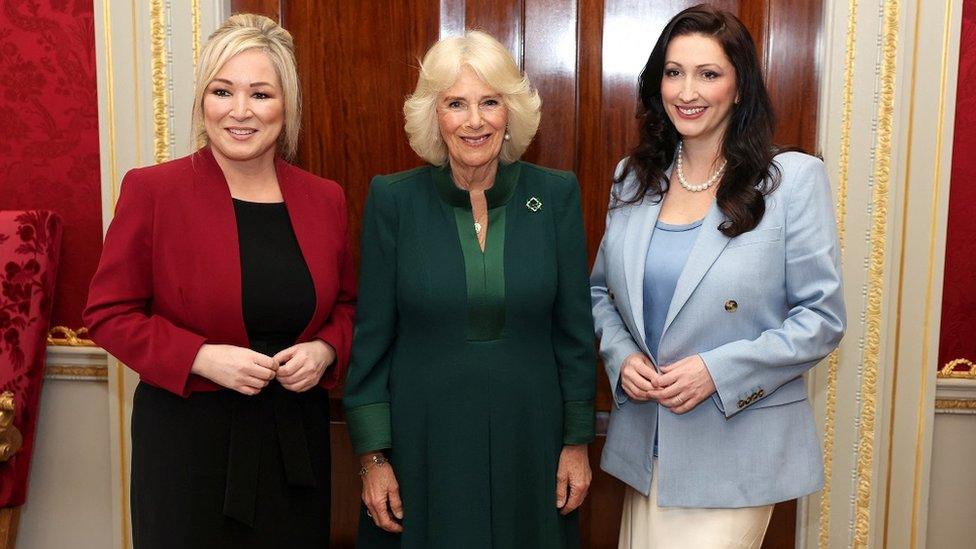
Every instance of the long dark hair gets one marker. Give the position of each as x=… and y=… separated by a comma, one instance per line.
x=747, y=144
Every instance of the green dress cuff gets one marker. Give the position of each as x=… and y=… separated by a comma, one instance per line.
x=578, y=424
x=369, y=427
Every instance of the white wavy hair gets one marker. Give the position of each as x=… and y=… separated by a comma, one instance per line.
x=494, y=65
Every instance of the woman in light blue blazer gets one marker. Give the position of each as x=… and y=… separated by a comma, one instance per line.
x=716, y=286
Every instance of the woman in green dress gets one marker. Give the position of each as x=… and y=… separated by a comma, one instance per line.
x=470, y=394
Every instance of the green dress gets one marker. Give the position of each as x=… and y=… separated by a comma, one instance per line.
x=472, y=369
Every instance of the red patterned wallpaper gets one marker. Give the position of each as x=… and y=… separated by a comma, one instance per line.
x=49, y=132
x=958, y=337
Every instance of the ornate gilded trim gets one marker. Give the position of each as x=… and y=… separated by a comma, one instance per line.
x=161, y=138
x=97, y=373
x=8, y=406
x=136, y=96
x=833, y=361
x=876, y=269
x=967, y=404
x=195, y=22
x=11, y=439
x=948, y=370
x=110, y=97
x=62, y=335
x=123, y=453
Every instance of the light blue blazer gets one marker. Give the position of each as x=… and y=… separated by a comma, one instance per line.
x=760, y=309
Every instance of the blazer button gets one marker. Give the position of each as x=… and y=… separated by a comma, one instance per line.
x=761, y=393
x=610, y=293
x=731, y=306
x=742, y=404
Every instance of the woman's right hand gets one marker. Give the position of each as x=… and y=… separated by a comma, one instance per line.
x=638, y=378
x=237, y=368
x=381, y=494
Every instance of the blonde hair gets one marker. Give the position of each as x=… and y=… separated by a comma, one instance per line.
x=495, y=66
x=242, y=32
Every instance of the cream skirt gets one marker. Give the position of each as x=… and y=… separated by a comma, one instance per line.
x=644, y=525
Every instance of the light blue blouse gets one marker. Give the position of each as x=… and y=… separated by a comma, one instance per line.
x=666, y=257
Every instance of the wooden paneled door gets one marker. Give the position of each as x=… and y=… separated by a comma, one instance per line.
x=358, y=60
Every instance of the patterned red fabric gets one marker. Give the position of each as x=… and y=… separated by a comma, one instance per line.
x=29, y=246
x=958, y=329
x=49, y=132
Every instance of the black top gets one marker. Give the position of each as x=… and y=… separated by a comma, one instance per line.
x=277, y=290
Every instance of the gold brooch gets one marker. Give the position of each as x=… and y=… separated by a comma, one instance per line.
x=533, y=204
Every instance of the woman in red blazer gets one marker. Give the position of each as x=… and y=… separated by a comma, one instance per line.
x=225, y=281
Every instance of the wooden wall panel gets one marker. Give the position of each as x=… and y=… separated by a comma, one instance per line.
x=356, y=69
x=600, y=513
x=503, y=19
x=549, y=59
x=584, y=56
x=346, y=488
x=270, y=8
x=792, y=49
x=787, y=35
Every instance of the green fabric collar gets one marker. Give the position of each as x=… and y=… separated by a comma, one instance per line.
x=497, y=195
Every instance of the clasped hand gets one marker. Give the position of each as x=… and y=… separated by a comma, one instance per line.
x=298, y=368
x=679, y=387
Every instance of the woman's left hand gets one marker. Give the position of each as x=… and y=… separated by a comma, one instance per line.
x=686, y=383
x=303, y=364
x=572, y=478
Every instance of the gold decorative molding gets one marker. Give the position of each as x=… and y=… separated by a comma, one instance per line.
x=10, y=438
x=833, y=362
x=89, y=372
x=157, y=16
x=7, y=409
x=864, y=466
x=195, y=22
x=948, y=371
x=62, y=335
x=109, y=97
x=955, y=404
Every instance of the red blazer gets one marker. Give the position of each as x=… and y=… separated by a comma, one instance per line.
x=169, y=279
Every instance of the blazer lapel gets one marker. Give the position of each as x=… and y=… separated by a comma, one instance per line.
x=310, y=230
x=708, y=246
x=640, y=226
x=219, y=243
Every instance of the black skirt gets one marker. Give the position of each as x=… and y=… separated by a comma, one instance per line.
x=222, y=469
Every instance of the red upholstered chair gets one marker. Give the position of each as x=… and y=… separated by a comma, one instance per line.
x=30, y=243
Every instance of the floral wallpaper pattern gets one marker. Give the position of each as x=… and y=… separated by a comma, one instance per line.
x=29, y=249
x=49, y=132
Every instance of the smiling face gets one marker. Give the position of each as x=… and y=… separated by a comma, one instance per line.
x=243, y=110
x=472, y=119
x=698, y=87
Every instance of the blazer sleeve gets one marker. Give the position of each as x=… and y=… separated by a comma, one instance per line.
x=616, y=342
x=366, y=396
x=572, y=326
x=752, y=369
x=119, y=314
x=337, y=329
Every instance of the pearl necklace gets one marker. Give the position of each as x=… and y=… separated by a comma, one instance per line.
x=697, y=188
